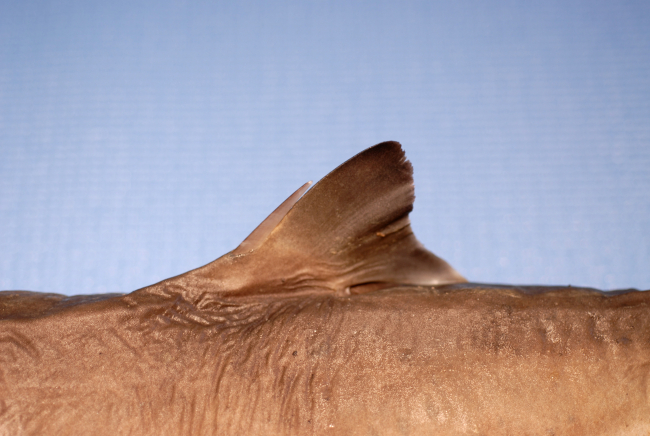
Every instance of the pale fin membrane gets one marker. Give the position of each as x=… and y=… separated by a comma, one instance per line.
x=261, y=232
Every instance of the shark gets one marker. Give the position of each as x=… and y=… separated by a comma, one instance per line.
x=331, y=318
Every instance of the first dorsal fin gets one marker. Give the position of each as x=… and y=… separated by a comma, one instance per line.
x=350, y=230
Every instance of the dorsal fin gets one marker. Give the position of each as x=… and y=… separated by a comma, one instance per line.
x=357, y=216
x=350, y=230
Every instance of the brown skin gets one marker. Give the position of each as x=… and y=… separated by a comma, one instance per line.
x=457, y=359
x=332, y=319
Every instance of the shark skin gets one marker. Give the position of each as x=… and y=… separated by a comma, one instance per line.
x=330, y=318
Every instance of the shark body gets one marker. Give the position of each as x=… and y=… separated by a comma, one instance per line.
x=330, y=318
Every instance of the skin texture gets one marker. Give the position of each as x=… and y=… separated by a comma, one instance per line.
x=331, y=318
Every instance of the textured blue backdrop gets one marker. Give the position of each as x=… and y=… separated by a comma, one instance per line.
x=139, y=140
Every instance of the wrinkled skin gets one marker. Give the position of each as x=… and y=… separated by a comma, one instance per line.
x=458, y=359
x=330, y=318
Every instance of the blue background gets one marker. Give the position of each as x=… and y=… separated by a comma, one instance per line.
x=139, y=140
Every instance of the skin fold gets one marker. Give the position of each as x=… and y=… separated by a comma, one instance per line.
x=331, y=318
